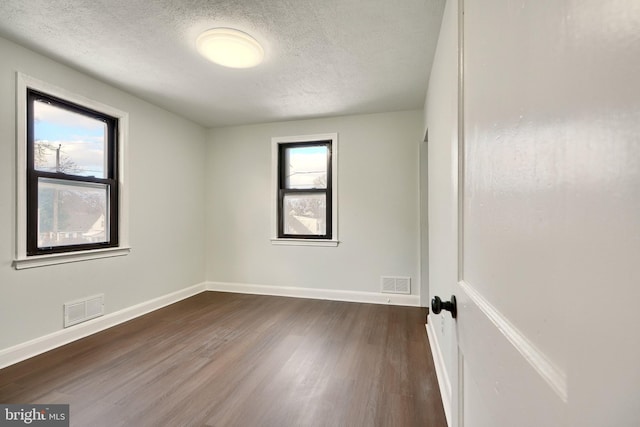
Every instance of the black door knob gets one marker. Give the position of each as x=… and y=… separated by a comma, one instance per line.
x=437, y=305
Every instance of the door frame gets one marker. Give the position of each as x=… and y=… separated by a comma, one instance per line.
x=457, y=377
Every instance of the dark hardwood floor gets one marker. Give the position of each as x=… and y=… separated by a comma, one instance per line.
x=222, y=359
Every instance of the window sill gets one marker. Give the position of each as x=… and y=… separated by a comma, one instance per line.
x=304, y=242
x=44, y=260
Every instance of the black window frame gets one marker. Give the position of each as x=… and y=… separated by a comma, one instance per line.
x=283, y=190
x=33, y=175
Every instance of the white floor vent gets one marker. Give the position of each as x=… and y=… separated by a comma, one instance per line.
x=396, y=285
x=82, y=310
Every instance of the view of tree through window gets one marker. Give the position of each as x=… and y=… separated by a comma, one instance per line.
x=71, y=214
x=69, y=142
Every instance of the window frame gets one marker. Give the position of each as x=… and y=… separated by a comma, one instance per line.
x=279, y=146
x=34, y=175
x=27, y=252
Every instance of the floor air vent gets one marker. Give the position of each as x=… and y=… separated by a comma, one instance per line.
x=396, y=285
x=82, y=310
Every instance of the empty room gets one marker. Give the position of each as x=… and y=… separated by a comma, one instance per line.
x=331, y=213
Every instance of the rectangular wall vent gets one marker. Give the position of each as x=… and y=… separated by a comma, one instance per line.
x=396, y=285
x=82, y=310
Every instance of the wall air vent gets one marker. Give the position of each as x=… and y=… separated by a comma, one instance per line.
x=82, y=310
x=396, y=285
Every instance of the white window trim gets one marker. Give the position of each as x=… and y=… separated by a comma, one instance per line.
x=275, y=143
x=22, y=261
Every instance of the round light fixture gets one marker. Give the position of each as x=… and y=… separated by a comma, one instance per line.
x=230, y=48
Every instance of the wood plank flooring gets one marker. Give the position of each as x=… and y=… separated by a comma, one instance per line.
x=222, y=359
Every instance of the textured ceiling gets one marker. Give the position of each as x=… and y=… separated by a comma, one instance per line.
x=323, y=57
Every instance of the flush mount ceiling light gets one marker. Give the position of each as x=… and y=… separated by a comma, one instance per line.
x=230, y=48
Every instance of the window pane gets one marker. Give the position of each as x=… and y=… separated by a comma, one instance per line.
x=305, y=214
x=71, y=213
x=68, y=142
x=306, y=167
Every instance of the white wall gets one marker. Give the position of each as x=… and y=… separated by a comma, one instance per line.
x=378, y=205
x=166, y=179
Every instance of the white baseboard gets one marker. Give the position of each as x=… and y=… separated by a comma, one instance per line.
x=441, y=372
x=326, y=294
x=28, y=349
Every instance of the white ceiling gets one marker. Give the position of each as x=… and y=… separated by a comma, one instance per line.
x=323, y=57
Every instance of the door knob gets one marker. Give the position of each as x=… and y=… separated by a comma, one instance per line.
x=437, y=305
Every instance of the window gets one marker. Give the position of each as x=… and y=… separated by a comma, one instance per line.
x=72, y=190
x=305, y=196
x=70, y=177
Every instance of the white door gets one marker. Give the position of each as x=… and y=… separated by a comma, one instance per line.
x=547, y=180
